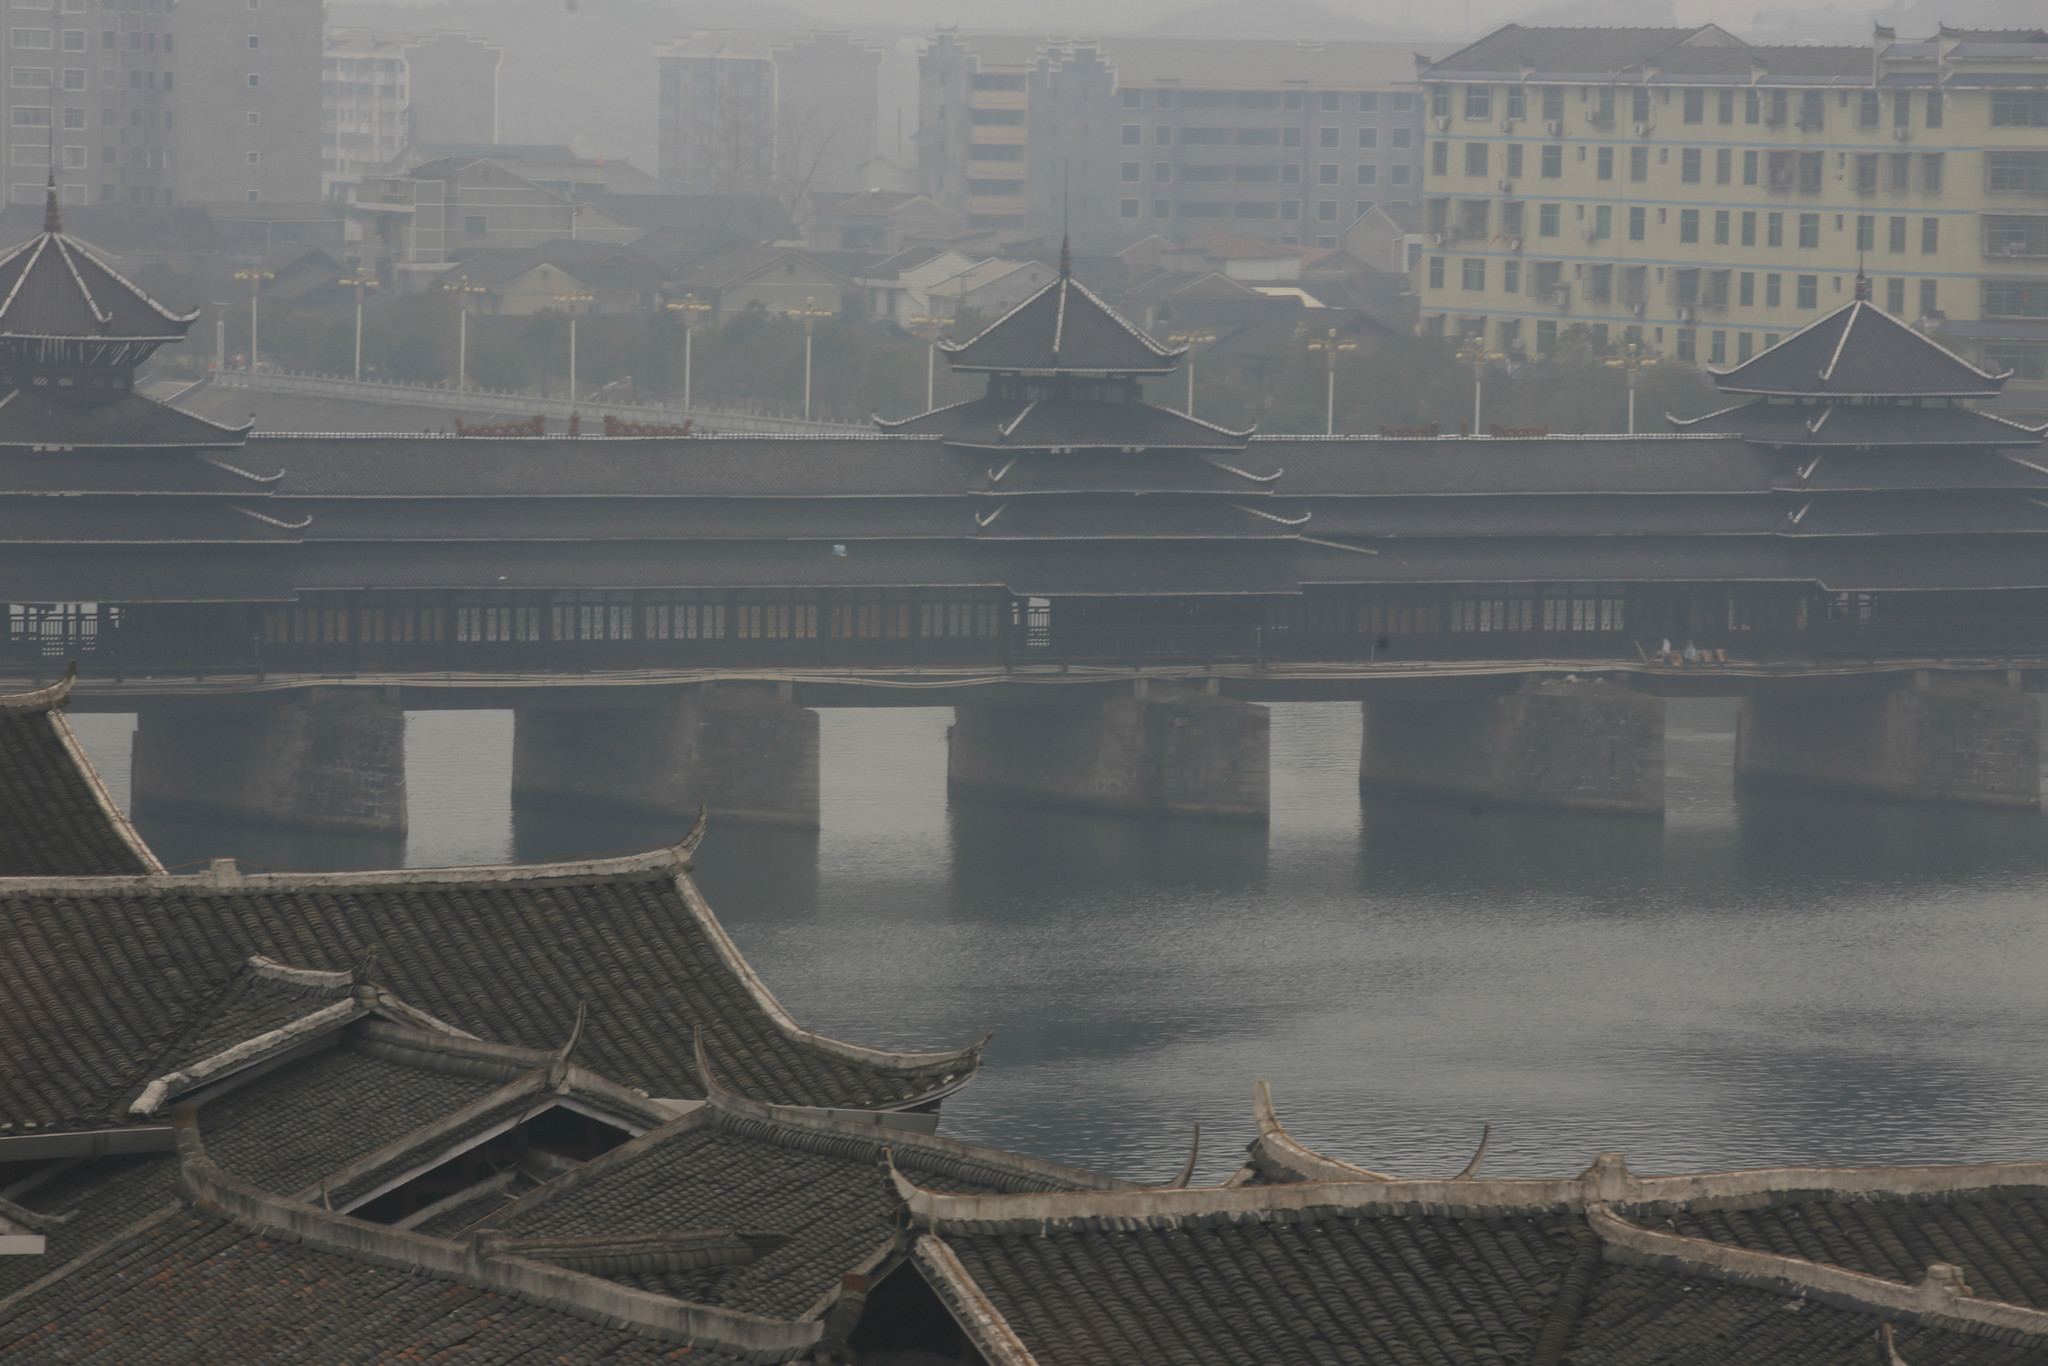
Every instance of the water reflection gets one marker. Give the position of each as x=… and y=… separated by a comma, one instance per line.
x=1752, y=981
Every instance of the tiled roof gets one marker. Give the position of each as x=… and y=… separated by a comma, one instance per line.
x=1857, y=351
x=1863, y=426
x=98, y=979
x=1063, y=328
x=734, y=1163
x=128, y=422
x=1514, y=47
x=1068, y=424
x=52, y=286
x=56, y=818
x=192, y=1282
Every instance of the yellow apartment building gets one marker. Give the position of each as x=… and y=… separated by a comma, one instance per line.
x=1707, y=197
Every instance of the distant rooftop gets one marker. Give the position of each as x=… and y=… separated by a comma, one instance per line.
x=1198, y=63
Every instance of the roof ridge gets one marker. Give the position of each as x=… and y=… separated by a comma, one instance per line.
x=42, y=699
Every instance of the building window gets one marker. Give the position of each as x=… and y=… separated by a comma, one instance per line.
x=2019, y=108
x=1326, y=211
x=1133, y=134
x=1721, y=217
x=1132, y=99
x=1724, y=166
x=1638, y=223
x=1368, y=137
x=1688, y=225
x=1749, y=227
x=1695, y=106
x=1132, y=171
x=1689, y=166
x=1930, y=236
x=1638, y=163
x=1930, y=172
x=1127, y=208
x=1745, y=289
x=1866, y=110
x=1440, y=158
x=1478, y=101
x=254, y=157
x=1552, y=161
x=1547, y=218
x=1403, y=137
x=1895, y=297
x=1326, y=173
x=1369, y=101
x=1902, y=171
x=254, y=79
x=1511, y=276
x=1745, y=345
x=1773, y=296
x=1514, y=166
x=473, y=225
x=1774, y=230
x=1162, y=171
x=1473, y=273
x=1603, y=221
x=1402, y=173
x=1809, y=291
x=1717, y=348
x=1546, y=335
x=1603, y=162
x=2014, y=299
x=1368, y=174
x=1436, y=272
x=1162, y=135
x=1927, y=305
x=1475, y=158
x=1809, y=229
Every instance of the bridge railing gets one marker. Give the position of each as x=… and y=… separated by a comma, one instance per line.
x=1138, y=644
x=1932, y=637
x=122, y=654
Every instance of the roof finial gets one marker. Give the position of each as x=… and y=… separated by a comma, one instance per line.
x=1066, y=204
x=1862, y=280
x=52, y=220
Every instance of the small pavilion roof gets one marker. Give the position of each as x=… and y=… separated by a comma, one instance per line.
x=1063, y=329
x=56, y=816
x=1859, y=351
x=51, y=286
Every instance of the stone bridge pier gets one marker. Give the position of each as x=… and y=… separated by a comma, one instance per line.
x=1587, y=746
x=1968, y=740
x=313, y=759
x=1177, y=752
x=744, y=750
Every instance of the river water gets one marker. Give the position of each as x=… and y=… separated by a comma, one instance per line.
x=1751, y=982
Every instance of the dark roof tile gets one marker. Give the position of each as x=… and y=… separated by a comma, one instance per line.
x=56, y=817
x=1064, y=328
x=1858, y=350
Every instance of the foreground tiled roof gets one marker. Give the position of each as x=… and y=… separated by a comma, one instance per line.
x=191, y=1285
x=1063, y=328
x=52, y=286
x=1859, y=351
x=56, y=818
x=100, y=977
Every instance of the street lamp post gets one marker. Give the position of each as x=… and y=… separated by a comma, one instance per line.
x=687, y=308
x=360, y=282
x=462, y=289
x=220, y=335
x=1634, y=357
x=928, y=326
x=1191, y=340
x=255, y=276
x=810, y=314
x=1330, y=346
x=572, y=302
x=1473, y=351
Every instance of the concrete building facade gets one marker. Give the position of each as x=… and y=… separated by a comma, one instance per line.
x=1705, y=197
x=249, y=128
x=756, y=113
x=1125, y=137
x=383, y=93
x=91, y=90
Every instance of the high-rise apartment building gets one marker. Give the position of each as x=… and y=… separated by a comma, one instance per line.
x=1123, y=137
x=91, y=88
x=1706, y=197
x=755, y=113
x=382, y=93
x=249, y=105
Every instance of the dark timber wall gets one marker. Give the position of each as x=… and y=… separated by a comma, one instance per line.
x=1580, y=746
x=742, y=751
x=1184, y=754
x=317, y=759
x=1965, y=742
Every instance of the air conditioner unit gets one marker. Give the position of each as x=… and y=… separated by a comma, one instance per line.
x=1587, y=233
x=1685, y=314
x=1507, y=125
x=1507, y=187
x=1436, y=239
x=1642, y=130
x=1514, y=244
x=1554, y=127
x=1562, y=295
x=1636, y=308
x=1443, y=123
x=1903, y=134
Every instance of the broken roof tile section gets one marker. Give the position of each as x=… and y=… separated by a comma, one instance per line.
x=56, y=817
x=100, y=978
x=1063, y=329
x=1859, y=351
